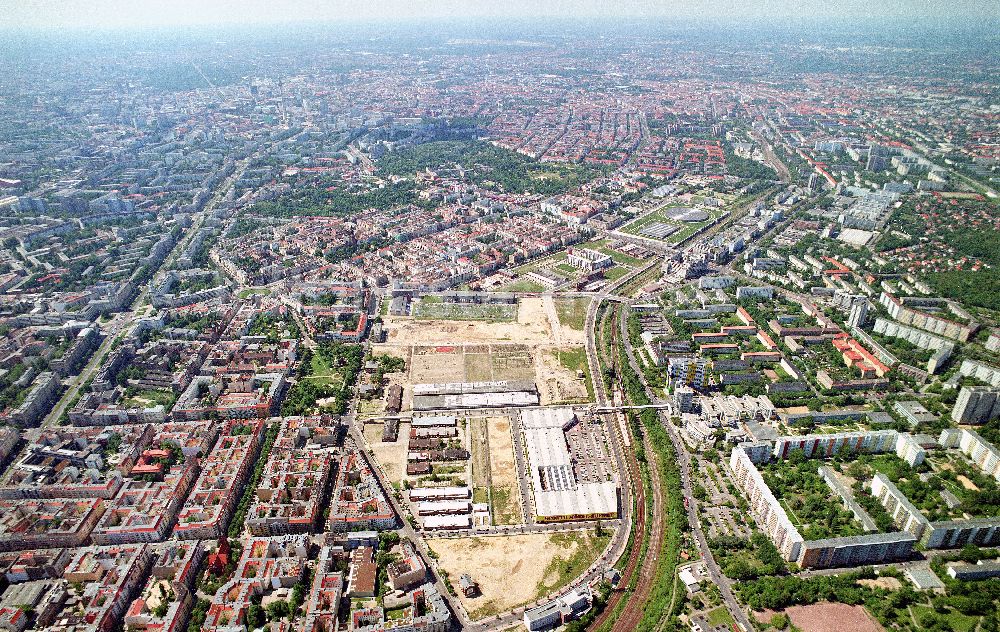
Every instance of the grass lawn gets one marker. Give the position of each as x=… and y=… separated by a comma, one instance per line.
x=600, y=245
x=615, y=273
x=396, y=613
x=251, y=291
x=572, y=312
x=538, y=264
x=523, y=285
x=431, y=310
x=956, y=620
x=151, y=397
x=721, y=616
x=321, y=370
x=686, y=228
x=504, y=510
x=566, y=567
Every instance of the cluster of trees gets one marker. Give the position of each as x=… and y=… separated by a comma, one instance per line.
x=305, y=393
x=749, y=169
x=388, y=364
x=11, y=394
x=485, y=163
x=258, y=616
x=732, y=554
x=347, y=251
x=244, y=226
x=980, y=288
x=273, y=327
x=776, y=593
x=331, y=202
x=809, y=498
x=198, y=614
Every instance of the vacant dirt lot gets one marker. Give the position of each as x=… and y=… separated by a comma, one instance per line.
x=827, y=617
x=502, y=465
x=392, y=456
x=508, y=568
x=532, y=326
x=891, y=583
x=556, y=383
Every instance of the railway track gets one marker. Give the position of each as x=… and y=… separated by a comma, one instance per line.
x=622, y=591
x=631, y=615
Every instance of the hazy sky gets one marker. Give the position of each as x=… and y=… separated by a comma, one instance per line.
x=140, y=13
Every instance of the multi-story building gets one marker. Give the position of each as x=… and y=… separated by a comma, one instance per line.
x=224, y=473
x=688, y=370
x=588, y=260
x=764, y=507
x=145, y=511
x=906, y=311
x=358, y=501
x=43, y=524
x=290, y=492
x=683, y=398
x=111, y=577
x=266, y=564
x=175, y=564
x=769, y=514
x=976, y=405
x=409, y=570
x=827, y=445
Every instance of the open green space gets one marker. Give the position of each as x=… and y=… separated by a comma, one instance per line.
x=721, y=616
x=582, y=548
x=523, y=285
x=686, y=229
x=928, y=618
x=600, y=245
x=436, y=310
x=811, y=504
x=979, y=495
x=489, y=166
x=254, y=291
x=502, y=506
x=274, y=327
x=150, y=397
x=572, y=312
x=742, y=558
x=315, y=378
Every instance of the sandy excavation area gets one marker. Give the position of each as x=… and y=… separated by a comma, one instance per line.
x=507, y=568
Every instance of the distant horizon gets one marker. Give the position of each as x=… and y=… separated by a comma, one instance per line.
x=101, y=15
